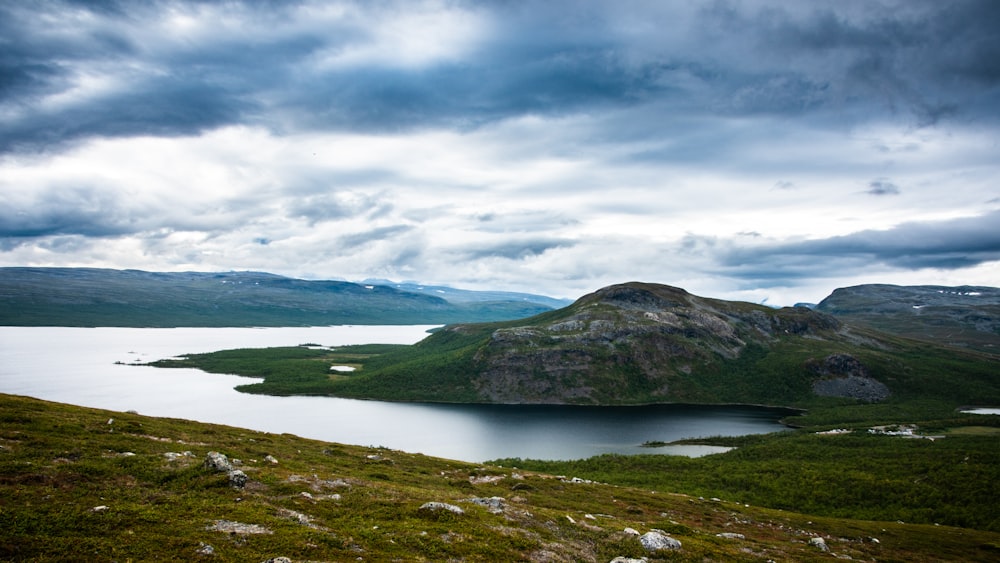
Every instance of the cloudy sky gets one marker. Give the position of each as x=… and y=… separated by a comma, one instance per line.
x=756, y=150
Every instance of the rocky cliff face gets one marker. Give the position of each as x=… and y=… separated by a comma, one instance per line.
x=629, y=340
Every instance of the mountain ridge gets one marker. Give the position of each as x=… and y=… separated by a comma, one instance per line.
x=137, y=298
x=961, y=316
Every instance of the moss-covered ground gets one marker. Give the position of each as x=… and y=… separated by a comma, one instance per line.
x=94, y=485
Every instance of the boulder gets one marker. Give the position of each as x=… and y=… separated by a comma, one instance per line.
x=656, y=540
x=819, y=543
x=237, y=478
x=218, y=462
x=494, y=504
x=441, y=506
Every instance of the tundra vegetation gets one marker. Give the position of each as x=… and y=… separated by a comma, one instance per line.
x=88, y=484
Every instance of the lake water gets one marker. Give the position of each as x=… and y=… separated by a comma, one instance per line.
x=78, y=366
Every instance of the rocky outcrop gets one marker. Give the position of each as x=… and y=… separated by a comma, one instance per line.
x=217, y=462
x=656, y=540
x=220, y=463
x=238, y=528
x=843, y=375
x=441, y=507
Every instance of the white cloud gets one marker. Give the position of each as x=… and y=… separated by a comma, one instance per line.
x=503, y=146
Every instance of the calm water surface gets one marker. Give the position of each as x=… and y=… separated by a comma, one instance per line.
x=77, y=366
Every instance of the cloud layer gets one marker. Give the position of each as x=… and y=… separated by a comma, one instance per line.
x=755, y=150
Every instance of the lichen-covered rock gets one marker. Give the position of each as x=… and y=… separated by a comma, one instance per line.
x=493, y=504
x=239, y=528
x=656, y=540
x=218, y=462
x=441, y=506
x=819, y=543
x=237, y=478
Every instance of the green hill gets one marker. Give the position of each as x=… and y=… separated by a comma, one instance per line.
x=93, y=485
x=635, y=343
x=963, y=316
x=132, y=298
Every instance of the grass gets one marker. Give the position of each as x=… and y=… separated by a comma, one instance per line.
x=331, y=502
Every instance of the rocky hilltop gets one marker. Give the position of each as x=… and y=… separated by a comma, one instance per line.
x=638, y=343
x=636, y=338
x=962, y=316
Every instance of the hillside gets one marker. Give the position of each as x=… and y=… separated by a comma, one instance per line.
x=132, y=298
x=963, y=316
x=95, y=485
x=634, y=343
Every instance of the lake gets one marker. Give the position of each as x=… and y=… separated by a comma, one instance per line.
x=78, y=366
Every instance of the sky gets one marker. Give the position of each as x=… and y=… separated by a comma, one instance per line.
x=765, y=151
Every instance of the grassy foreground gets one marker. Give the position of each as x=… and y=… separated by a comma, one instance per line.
x=88, y=484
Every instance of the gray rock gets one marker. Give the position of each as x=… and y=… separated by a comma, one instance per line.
x=439, y=506
x=231, y=527
x=843, y=375
x=656, y=540
x=218, y=462
x=621, y=559
x=731, y=536
x=820, y=543
x=278, y=560
x=237, y=478
x=270, y=459
x=493, y=504
x=205, y=549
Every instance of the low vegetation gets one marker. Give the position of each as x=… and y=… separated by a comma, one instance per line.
x=133, y=298
x=88, y=484
x=854, y=472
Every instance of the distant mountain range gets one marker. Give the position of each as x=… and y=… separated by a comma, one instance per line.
x=133, y=298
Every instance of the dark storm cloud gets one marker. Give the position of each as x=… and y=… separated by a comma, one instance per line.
x=882, y=186
x=334, y=206
x=67, y=210
x=947, y=245
x=515, y=249
x=371, y=236
x=928, y=59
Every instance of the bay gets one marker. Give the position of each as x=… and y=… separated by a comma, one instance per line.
x=89, y=367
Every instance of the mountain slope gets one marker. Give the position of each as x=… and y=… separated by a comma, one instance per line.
x=95, y=485
x=641, y=343
x=98, y=297
x=963, y=316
